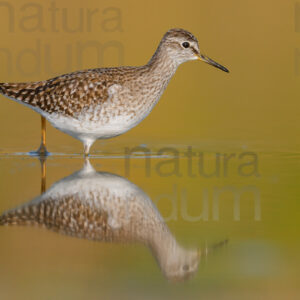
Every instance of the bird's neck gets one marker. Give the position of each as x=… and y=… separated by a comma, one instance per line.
x=161, y=65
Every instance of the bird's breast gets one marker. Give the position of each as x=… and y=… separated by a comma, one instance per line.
x=126, y=106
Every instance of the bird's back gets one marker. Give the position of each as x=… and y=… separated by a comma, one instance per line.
x=67, y=94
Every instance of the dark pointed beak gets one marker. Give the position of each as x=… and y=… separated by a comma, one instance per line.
x=211, y=62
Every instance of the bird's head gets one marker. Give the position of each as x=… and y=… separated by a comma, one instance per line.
x=183, y=46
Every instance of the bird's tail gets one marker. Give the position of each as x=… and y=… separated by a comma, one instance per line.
x=2, y=89
x=19, y=216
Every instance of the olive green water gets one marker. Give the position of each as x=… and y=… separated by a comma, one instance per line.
x=248, y=198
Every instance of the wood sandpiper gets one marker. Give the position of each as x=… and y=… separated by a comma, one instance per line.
x=106, y=102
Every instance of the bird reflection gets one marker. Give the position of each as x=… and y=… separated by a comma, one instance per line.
x=109, y=208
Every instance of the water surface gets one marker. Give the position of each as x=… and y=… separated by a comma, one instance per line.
x=219, y=223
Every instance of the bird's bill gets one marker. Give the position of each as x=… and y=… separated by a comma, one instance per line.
x=209, y=61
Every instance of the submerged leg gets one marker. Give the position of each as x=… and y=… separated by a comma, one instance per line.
x=42, y=150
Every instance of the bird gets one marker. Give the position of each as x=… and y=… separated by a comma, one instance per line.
x=106, y=207
x=102, y=103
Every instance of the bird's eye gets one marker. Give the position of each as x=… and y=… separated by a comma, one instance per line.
x=185, y=44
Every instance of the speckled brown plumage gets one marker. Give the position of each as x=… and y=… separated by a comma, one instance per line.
x=67, y=94
x=74, y=92
x=106, y=102
x=66, y=215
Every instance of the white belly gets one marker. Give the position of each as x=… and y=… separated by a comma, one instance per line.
x=84, y=128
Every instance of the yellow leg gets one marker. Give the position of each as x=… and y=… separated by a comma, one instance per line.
x=42, y=150
x=43, y=131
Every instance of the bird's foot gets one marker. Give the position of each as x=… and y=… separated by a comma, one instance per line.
x=86, y=155
x=41, y=152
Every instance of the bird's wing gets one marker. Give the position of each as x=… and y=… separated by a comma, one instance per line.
x=67, y=215
x=67, y=94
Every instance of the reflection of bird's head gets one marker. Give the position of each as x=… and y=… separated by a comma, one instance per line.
x=181, y=264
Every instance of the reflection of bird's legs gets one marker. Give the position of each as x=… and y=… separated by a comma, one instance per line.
x=42, y=151
x=87, y=167
x=43, y=175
